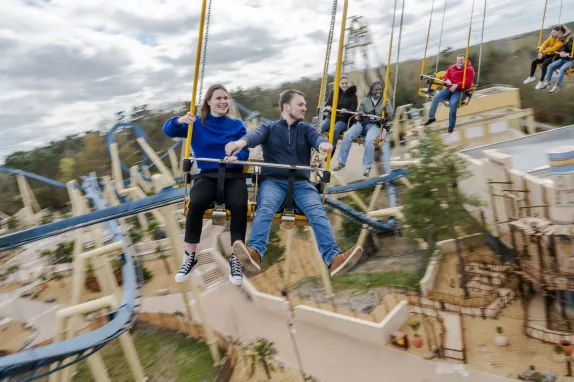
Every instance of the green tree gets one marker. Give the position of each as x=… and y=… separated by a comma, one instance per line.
x=262, y=351
x=154, y=230
x=64, y=253
x=67, y=169
x=435, y=204
x=163, y=256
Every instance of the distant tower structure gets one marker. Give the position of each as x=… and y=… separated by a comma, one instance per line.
x=358, y=39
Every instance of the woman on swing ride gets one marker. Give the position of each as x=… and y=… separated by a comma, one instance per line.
x=211, y=132
x=368, y=126
x=347, y=102
x=547, y=53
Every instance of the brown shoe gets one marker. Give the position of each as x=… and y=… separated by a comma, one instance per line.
x=345, y=261
x=248, y=257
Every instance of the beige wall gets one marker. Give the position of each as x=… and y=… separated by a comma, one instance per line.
x=374, y=333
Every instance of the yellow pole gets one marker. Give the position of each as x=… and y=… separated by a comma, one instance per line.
x=542, y=26
x=337, y=79
x=197, y=63
x=466, y=56
x=387, y=76
x=426, y=46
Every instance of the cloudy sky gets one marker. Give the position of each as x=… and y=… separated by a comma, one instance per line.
x=68, y=65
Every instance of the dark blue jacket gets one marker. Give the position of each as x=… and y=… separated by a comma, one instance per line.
x=283, y=144
x=209, y=139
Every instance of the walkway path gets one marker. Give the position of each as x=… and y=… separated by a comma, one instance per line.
x=326, y=355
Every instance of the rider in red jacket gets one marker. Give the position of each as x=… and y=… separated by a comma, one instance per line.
x=455, y=74
x=453, y=78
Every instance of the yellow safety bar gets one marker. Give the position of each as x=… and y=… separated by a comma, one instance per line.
x=542, y=26
x=388, y=74
x=337, y=80
x=196, y=75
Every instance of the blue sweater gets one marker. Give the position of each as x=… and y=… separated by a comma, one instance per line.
x=209, y=140
x=283, y=144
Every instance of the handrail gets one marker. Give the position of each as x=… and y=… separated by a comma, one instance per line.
x=260, y=164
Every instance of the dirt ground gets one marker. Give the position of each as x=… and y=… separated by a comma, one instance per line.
x=448, y=280
x=9, y=288
x=12, y=336
x=522, y=351
x=303, y=265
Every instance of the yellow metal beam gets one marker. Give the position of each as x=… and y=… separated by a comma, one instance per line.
x=337, y=79
x=196, y=75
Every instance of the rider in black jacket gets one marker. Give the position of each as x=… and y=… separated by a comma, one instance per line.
x=347, y=101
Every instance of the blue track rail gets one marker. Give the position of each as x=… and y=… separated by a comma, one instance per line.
x=30, y=175
x=393, y=175
x=35, y=362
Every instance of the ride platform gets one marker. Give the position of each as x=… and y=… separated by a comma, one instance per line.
x=494, y=114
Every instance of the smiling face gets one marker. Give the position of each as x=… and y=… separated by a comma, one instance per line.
x=554, y=33
x=344, y=83
x=377, y=91
x=459, y=61
x=219, y=102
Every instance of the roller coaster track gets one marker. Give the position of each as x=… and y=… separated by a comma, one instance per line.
x=34, y=363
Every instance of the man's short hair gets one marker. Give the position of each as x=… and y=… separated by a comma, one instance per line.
x=287, y=96
x=460, y=55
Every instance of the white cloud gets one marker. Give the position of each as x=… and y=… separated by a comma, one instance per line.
x=67, y=64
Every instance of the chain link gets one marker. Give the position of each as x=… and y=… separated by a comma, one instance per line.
x=329, y=45
x=204, y=53
x=481, y=42
x=440, y=39
x=398, y=56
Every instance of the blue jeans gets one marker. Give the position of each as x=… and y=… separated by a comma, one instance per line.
x=353, y=133
x=454, y=99
x=271, y=195
x=563, y=64
x=340, y=126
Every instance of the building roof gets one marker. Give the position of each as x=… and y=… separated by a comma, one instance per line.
x=529, y=152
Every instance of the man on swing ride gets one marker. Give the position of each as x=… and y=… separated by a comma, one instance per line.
x=289, y=141
x=453, y=79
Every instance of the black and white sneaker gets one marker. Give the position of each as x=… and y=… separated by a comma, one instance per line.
x=189, y=262
x=235, y=271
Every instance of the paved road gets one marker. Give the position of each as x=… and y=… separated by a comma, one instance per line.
x=327, y=355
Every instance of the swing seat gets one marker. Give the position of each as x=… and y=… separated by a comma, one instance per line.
x=220, y=217
x=432, y=85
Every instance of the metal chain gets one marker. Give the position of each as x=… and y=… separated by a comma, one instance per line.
x=481, y=41
x=440, y=39
x=560, y=14
x=204, y=53
x=398, y=55
x=329, y=45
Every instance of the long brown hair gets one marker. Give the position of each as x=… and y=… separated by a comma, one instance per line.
x=205, y=108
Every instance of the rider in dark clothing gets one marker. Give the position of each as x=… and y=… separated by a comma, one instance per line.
x=347, y=101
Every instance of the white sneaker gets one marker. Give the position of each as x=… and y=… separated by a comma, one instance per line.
x=545, y=85
x=235, y=271
x=554, y=89
x=539, y=85
x=184, y=272
x=529, y=80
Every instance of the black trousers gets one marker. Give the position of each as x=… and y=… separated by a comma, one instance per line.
x=203, y=195
x=545, y=61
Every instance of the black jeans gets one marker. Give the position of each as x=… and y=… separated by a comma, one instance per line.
x=545, y=61
x=203, y=194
